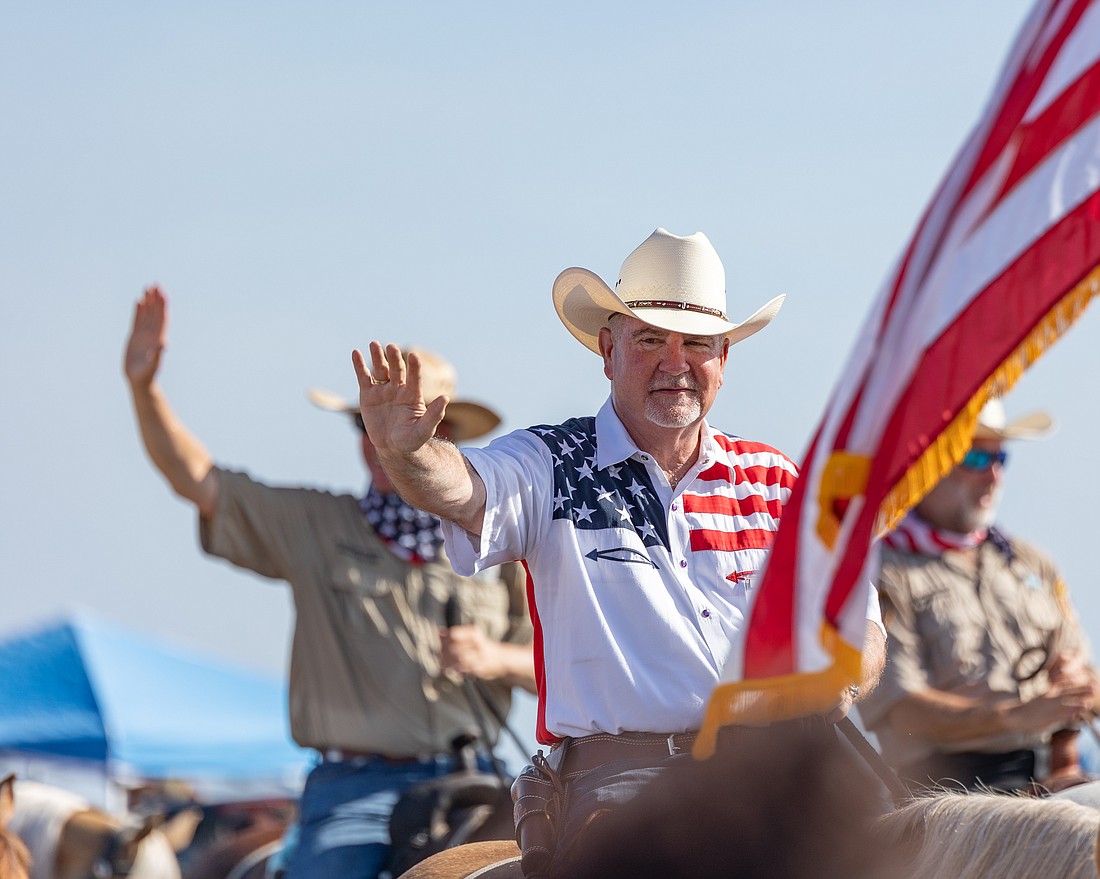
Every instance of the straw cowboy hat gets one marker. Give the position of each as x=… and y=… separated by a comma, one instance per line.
x=670, y=282
x=993, y=424
x=467, y=420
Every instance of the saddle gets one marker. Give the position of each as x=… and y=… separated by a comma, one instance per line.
x=465, y=806
x=509, y=869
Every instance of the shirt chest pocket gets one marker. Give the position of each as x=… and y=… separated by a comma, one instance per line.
x=363, y=573
x=952, y=631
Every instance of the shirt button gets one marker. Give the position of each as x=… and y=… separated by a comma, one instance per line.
x=706, y=614
x=683, y=563
x=674, y=506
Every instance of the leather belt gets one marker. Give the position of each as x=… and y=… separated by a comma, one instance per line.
x=340, y=755
x=589, y=752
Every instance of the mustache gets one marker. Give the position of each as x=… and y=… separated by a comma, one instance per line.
x=683, y=383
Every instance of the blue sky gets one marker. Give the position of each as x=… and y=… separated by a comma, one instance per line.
x=302, y=178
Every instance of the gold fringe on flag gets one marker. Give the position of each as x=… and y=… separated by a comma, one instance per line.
x=758, y=702
x=950, y=446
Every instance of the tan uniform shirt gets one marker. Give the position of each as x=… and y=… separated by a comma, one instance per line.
x=961, y=624
x=365, y=668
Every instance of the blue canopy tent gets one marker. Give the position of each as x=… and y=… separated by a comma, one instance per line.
x=91, y=692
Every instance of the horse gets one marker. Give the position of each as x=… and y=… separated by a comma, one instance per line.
x=15, y=860
x=245, y=856
x=784, y=803
x=68, y=838
x=245, y=838
x=785, y=806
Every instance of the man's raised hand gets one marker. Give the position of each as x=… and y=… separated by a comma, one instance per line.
x=146, y=341
x=391, y=400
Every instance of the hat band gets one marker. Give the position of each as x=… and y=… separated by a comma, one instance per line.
x=675, y=303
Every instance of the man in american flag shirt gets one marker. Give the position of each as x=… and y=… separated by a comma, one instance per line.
x=642, y=528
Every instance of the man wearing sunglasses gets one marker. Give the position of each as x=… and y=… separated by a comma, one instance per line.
x=987, y=674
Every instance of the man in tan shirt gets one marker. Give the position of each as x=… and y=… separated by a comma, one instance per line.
x=986, y=661
x=376, y=672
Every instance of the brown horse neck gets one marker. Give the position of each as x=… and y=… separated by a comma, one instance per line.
x=84, y=839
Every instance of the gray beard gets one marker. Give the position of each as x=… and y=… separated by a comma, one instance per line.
x=677, y=416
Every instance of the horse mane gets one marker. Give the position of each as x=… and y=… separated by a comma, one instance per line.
x=15, y=859
x=949, y=835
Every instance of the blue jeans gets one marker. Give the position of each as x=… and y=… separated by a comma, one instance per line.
x=344, y=815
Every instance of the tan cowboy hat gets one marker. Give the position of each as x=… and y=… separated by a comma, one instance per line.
x=993, y=424
x=467, y=420
x=670, y=282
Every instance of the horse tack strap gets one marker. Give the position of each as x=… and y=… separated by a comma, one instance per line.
x=589, y=752
x=338, y=755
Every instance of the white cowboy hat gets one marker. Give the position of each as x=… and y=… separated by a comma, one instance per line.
x=467, y=420
x=994, y=424
x=670, y=282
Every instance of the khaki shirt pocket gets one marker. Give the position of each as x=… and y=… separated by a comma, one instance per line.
x=360, y=571
x=952, y=634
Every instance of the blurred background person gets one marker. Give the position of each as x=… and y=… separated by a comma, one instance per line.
x=377, y=672
x=987, y=673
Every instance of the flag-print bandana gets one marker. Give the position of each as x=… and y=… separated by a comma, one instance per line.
x=918, y=537
x=411, y=534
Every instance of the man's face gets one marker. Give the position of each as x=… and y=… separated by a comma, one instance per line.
x=668, y=378
x=966, y=499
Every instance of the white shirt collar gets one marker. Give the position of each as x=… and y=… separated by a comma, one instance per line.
x=614, y=445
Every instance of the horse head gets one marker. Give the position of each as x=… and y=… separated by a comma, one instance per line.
x=95, y=845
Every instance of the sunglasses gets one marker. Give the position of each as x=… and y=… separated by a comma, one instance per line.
x=978, y=460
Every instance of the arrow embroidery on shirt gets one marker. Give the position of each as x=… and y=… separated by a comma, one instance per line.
x=740, y=576
x=620, y=554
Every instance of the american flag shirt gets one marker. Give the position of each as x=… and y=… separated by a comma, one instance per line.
x=637, y=591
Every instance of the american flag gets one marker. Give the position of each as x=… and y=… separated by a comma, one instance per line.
x=1003, y=261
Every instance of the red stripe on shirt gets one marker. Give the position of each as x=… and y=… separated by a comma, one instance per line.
x=703, y=539
x=756, y=474
x=731, y=506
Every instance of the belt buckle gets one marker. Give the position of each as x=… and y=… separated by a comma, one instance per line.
x=673, y=748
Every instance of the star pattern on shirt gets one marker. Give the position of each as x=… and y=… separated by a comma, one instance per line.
x=620, y=495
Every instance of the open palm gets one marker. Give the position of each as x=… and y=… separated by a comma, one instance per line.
x=146, y=337
x=391, y=399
